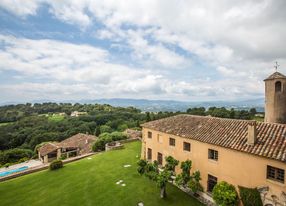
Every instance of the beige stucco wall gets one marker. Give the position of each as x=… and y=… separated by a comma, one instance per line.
x=235, y=167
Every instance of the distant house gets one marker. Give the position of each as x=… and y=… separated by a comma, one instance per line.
x=259, y=115
x=78, y=144
x=77, y=113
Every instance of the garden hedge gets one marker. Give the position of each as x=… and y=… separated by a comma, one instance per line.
x=56, y=164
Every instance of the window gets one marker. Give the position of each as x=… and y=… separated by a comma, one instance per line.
x=212, y=181
x=150, y=135
x=276, y=174
x=160, y=158
x=149, y=154
x=187, y=146
x=278, y=86
x=172, y=141
x=159, y=138
x=213, y=154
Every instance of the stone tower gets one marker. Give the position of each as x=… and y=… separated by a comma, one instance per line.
x=275, y=98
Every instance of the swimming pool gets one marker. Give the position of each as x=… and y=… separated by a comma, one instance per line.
x=2, y=174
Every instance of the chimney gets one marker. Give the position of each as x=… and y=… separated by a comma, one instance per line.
x=251, y=137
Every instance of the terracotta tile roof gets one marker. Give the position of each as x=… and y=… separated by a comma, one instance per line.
x=48, y=148
x=275, y=75
x=229, y=133
x=81, y=141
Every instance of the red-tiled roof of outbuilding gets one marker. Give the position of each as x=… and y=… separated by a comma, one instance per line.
x=48, y=148
x=228, y=133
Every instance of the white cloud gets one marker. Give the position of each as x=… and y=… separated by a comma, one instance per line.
x=70, y=71
x=238, y=41
x=21, y=8
x=71, y=11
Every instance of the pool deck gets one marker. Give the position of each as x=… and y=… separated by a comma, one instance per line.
x=35, y=166
x=30, y=164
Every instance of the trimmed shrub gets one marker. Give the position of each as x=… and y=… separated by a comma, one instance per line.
x=56, y=164
x=250, y=196
x=224, y=194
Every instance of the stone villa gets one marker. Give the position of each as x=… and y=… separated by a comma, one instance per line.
x=241, y=152
x=78, y=144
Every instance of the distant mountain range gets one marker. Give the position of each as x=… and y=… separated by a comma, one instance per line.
x=165, y=105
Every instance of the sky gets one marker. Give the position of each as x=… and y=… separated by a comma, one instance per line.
x=200, y=50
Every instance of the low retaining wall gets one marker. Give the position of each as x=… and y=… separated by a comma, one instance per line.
x=113, y=146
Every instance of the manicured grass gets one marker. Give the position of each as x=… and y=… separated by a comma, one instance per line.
x=5, y=123
x=92, y=182
x=259, y=119
x=56, y=118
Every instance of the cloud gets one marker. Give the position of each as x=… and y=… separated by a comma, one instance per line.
x=180, y=49
x=71, y=11
x=74, y=71
x=21, y=8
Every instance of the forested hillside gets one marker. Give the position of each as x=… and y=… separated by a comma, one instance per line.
x=26, y=125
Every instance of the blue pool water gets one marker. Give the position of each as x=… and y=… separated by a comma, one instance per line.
x=2, y=174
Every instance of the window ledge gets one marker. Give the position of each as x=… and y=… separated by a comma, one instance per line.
x=213, y=161
x=275, y=182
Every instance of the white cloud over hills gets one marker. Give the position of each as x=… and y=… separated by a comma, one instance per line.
x=186, y=50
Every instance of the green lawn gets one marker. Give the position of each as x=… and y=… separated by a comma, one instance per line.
x=92, y=182
x=56, y=118
x=259, y=119
x=5, y=123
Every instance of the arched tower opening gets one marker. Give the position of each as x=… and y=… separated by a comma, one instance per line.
x=278, y=86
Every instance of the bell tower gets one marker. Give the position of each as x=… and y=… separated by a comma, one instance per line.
x=275, y=98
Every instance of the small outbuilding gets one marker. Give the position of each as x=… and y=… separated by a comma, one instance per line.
x=78, y=144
